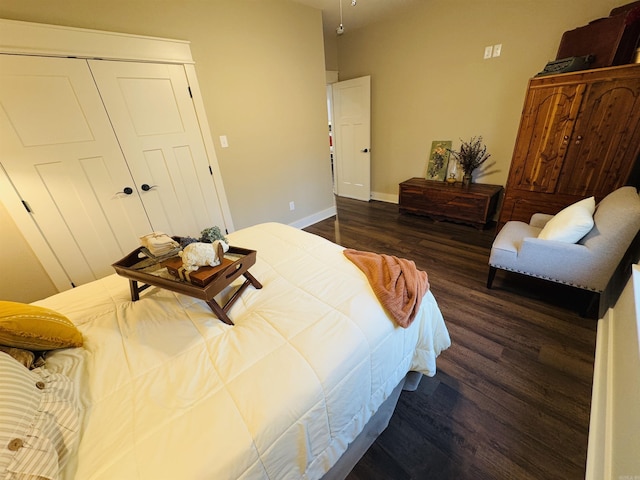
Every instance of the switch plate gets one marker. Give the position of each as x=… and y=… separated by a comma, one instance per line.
x=223, y=141
x=488, y=51
x=497, y=50
x=292, y=206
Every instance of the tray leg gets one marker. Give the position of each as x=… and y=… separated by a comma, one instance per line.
x=136, y=289
x=135, y=293
x=253, y=280
x=220, y=313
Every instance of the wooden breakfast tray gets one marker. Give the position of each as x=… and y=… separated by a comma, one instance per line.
x=138, y=268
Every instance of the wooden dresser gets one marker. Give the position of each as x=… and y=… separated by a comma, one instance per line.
x=579, y=136
x=474, y=205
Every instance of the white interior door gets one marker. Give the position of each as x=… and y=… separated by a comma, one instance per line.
x=59, y=150
x=352, y=127
x=155, y=121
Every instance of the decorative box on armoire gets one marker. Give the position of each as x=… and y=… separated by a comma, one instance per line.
x=579, y=136
x=610, y=40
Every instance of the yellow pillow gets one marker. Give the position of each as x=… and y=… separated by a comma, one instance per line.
x=36, y=328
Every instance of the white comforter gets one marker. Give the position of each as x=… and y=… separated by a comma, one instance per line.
x=170, y=392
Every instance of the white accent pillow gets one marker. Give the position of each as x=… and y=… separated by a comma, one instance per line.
x=572, y=223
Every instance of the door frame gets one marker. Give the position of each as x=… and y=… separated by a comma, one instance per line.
x=26, y=38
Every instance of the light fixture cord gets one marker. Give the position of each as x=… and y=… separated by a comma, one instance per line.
x=340, y=12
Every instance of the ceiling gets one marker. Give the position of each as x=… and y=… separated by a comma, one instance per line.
x=363, y=13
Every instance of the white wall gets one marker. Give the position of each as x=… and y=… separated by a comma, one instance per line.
x=614, y=430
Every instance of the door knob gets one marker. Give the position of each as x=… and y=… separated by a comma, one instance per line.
x=365, y=150
x=146, y=187
x=126, y=191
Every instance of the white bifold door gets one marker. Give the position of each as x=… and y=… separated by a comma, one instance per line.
x=101, y=153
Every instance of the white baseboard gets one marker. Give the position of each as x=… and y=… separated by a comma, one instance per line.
x=315, y=218
x=385, y=197
x=330, y=212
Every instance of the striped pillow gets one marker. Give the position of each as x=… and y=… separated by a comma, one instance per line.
x=39, y=421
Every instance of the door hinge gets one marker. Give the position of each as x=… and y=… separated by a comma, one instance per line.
x=210, y=170
x=26, y=206
x=190, y=94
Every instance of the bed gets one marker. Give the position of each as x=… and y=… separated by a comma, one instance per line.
x=163, y=389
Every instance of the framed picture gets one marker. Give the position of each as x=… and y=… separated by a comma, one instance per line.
x=438, y=160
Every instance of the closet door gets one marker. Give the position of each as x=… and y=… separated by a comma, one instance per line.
x=152, y=113
x=61, y=155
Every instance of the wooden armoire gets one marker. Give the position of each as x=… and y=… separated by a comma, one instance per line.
x=579, y=136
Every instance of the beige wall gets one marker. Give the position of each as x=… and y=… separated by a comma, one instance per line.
x=260, y=65
x=429, y=80
x=23, y=279
x=331, y=52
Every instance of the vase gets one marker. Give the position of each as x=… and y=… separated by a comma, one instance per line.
x=466, y=180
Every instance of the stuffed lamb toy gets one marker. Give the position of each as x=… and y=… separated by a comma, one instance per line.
x=199, y=254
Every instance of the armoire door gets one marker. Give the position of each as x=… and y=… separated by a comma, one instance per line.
x=62, y=157
x=152, y=113
x=605, y=139
x=545, y=131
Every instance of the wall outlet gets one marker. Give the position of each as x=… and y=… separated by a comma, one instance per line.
x=292, y=206
x=488, y=52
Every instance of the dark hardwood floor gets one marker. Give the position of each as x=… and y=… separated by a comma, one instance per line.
x=512, y=394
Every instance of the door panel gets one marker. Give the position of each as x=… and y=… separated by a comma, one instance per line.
x=352, y=120
x=605, y=138
x=156, y=125
x=60, y=152
x=545, y=130
x=49, y=115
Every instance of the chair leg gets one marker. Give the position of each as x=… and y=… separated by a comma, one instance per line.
x=593, y=307
x=491, y=276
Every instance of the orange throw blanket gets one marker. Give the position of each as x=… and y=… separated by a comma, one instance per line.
x=397, y=283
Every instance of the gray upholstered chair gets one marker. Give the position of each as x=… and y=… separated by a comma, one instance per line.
x=588, y=264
